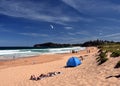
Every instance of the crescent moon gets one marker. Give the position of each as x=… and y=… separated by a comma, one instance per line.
x=52, y=26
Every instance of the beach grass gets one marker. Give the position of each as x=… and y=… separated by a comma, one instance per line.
x=110, y=47
x=102, y=58
x=117, y=65
x=114, y=48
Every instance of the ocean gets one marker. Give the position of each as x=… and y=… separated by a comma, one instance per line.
x=14, y=52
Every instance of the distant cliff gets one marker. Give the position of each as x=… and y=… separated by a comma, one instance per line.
x=85, y=44
x=54, y=45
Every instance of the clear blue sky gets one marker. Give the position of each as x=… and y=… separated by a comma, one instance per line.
x=27, y=22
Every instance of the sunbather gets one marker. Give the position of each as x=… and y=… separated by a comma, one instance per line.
x=33, y=77
x=50, y=74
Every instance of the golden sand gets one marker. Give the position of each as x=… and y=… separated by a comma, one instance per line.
x=17, y=72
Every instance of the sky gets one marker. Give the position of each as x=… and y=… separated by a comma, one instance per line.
x=29, y=22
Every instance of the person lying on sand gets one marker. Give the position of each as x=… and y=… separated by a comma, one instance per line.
x=41, y=76
x=50, y=74
x=32, y=77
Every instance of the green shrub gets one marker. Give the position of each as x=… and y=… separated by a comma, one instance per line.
x=115, y=54
x=117, y=65
x=102, y=58
x=102, y=54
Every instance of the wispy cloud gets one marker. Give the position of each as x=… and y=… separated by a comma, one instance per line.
x=41, y=11
x=112, y=35
x=94, y=7
x=2, y=29
x=109, y=19
x=68, y=28
x=69, y=33
x=82, y=32
x=72, y=39
x=34, y=34
x=75, y=39
x=98, y=10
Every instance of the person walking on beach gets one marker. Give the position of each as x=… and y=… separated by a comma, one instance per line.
x=81, y=58
x=13, y=57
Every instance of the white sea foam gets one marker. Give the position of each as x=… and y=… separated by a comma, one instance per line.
x=4, y=52
x=8, y=54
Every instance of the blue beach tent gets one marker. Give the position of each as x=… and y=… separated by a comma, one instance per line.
x=73, y=62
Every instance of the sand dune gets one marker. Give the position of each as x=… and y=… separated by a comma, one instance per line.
x=17, y=73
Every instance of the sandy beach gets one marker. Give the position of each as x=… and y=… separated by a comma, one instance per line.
x=17, y=72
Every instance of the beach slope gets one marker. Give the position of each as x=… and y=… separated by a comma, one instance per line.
x=18, y=72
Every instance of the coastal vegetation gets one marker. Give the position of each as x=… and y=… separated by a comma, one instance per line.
x=115, y=54
x=97, y=43
x=102, y=58
x=113, y=48
x=105, y=47
x=117, y=65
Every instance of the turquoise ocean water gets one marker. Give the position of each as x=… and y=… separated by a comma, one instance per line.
x=10, y=53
